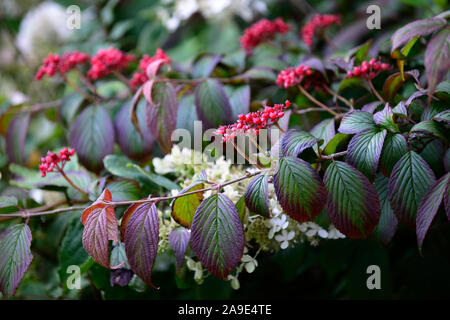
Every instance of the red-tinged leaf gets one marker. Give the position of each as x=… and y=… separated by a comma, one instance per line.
x=133, y=112
x=147, y=90
x=364, y=151
x=356, y=121
x=16, y=136
x=92, y=137
x=297, y=143
x=416, y=28
x=410, y=179
x=257, y=195
x=212, y=104
x=153, y=68
x=106, y=195
x=299, y=189
x=437, y=59
x=134, y=144
x=395, y=81
x=352, y=202
x=162, y=116
x=179, y=241
x=183, y=208
x=217, y=235
x=99, y=227
x=394, y=147
x=429, y=206
x=15, y=257
x=387, y=225
x=141, y=237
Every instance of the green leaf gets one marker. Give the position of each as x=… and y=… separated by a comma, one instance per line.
x=324, y=130
x=69, y=107
x=122, y=167
x=364, y=151
x=299, y=189
x=337, y=143
x=437, y=58
x=387, y=225
x=354, y=82
x=239, y=97
x=394, y=147
x=16, y=138
x=71, y=250
x=410, y=179
x=183, y=208
x=123, y=190
x=260, y=73
x=385, y=119
x=431, y=128
x=212, y=104
x=15, y=257
x=395, y=81
x=352, y=202
x=241, y=208
x=443, y=117
x=204, y=65
x=256, y=197
x=8, y=201
x=217, y=235
x=297, y=143
x=356, y=121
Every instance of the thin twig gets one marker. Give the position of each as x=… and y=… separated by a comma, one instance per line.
x=332, y=156
x=35, y=108
x=317, y=102
x=375, y=91
x=339, y=97
x=70, y=182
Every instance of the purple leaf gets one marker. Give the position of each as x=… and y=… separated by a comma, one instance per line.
x=385, y=119
x=316, y=64
x=299, y=189
x=294, y=142
x=410, y=179
x=394, y=147
x=414, y=96
x=429, y=206
x=92, y=137
x=437, y=59
x=141, y=237
x=16, y=136
x=324, y=130
x=15, y=257
x=356, y=121
x=212, y=104
x=239, y=97
x=162, y=116
x=120, y=277
x=364, y=151
x=256, y=197
x=131, y=142
x=205, y=65
x=179, y=241
x=416, y=28
x=371, y=106
x=352, y=202
x=387, y=225
x=218, y=235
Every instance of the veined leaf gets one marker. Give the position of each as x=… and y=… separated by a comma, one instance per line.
x=385, y=119
x=92, y=137
x=387, y=225
x=217, y=235
x=410, y=179
x=183, y=208
x=416, y=28
x=241, y=208
x=394, y=148
x=352, y=202
x=212, y=104
x=15, y=257
x=297, y=143
x=179, y=241
x=338, y=142
x=299, y=189
x=429, y=206
x=356, y=121
x=141, y=237
x=431, y=128
x=8, y=201
x=364, y=151
x=162, y=115
x=394, y=82
x=256, y=197
x=443, y=117
x=324, y=130
x=437, y=59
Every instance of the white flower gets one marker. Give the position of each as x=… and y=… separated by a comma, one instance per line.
x=250, y=263
x=197, y=268
x=234, y=282
x=165, y=165
x=284, y=238
x=277, y=224
x=334, y=233
x=323, y=233
x=231, y=193
x=42, y=28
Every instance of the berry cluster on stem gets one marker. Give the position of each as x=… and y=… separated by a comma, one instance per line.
x=262, y=31
x=369, y=69
x=317, y=24
x=53, y=160
x=61, y=64
x=140, y=77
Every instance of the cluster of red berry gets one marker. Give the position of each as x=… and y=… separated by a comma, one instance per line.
x=54, y=63
x=262, y=31
x=318, y=22
x=302, y=74
x=106, y=61
x=51, y=160
x=140, y=77
x=369, y=69
x=253, y=122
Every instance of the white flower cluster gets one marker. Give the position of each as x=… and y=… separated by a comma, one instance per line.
x=269, y=234
x=173, y=12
